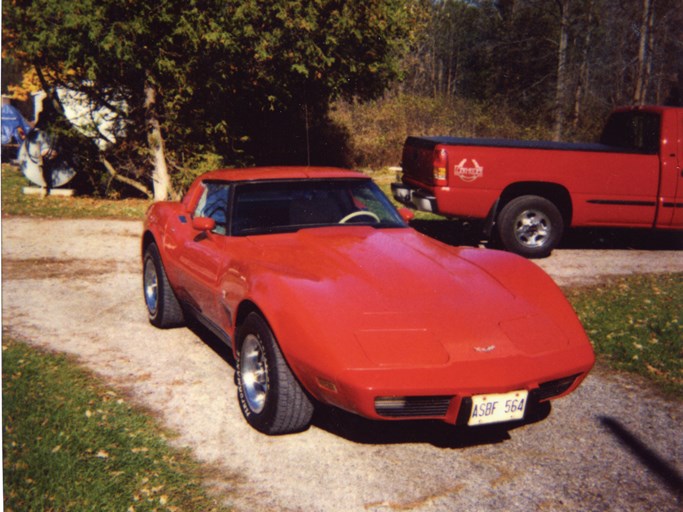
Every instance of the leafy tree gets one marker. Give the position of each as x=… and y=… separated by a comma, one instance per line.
x=193, y=78
x=299, y=56
x=564, y=63
x=116, y=54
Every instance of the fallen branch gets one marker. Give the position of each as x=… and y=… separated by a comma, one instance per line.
x=123, y=179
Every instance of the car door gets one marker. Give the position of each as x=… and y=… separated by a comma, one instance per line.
x=202, y=257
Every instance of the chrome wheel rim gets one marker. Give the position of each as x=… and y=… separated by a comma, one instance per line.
x=151, y=285
x=532, y=228
x=254, y=373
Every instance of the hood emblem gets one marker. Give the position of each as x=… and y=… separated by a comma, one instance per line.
x=490, y=348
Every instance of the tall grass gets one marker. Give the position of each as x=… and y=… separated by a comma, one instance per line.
x=377, y=129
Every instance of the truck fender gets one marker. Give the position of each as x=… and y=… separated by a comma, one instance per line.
x=490, y=220
x=556, y=193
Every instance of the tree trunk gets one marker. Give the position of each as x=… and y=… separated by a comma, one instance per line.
x=644, y=53
x=584, y=69
x=160, y=177
x=561, y=87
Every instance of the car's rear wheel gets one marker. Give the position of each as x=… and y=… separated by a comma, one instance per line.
x=271, y=399
x=163, y=308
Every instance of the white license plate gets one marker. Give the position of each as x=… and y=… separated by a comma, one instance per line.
x=499, y=407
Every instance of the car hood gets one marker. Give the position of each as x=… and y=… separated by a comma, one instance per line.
x=406, y=299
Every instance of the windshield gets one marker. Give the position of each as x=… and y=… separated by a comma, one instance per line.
x=279, y=206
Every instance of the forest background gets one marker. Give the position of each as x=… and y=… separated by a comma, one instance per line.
x=193, y=85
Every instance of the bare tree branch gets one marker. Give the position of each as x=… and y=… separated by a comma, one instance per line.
x=123, y=179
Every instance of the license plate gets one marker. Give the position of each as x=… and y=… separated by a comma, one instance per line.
x=499, y=407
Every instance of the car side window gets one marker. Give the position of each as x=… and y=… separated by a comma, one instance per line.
x=214, y=204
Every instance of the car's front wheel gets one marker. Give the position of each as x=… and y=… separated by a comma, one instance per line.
x=271, y=399
x=163, y=308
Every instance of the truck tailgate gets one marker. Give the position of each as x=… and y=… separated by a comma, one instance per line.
x=418, y=156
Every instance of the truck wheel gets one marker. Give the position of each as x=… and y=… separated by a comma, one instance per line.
x=271, y=399
x=163, y=308
x=530, y=226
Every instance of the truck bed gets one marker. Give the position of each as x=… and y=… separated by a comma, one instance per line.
x=431, y=142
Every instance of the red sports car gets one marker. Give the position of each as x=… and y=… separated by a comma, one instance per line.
x=324, y=294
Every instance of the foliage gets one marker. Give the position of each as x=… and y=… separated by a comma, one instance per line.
x=299, y=56
x=506, y=52
x=242, y=82
x=249, y=81
x=26, y=84
x=377, y=129
x=636, y=324
x=71, y=444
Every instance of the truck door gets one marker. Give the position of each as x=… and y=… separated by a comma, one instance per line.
x=670, y=200
x=678, y=206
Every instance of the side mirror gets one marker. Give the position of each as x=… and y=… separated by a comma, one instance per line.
x=203, y=224
x=406, y=214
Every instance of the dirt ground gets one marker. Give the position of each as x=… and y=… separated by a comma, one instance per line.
x=75, y=286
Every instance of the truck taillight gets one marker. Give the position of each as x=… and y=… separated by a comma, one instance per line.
x=440, y=167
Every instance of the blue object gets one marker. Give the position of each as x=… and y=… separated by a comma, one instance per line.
x=12, y=120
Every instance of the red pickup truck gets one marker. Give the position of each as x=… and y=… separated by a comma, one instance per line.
x=529, y=193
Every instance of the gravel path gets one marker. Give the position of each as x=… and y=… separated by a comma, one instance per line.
x=74, y=286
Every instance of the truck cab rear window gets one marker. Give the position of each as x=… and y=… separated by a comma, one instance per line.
x=636, y=131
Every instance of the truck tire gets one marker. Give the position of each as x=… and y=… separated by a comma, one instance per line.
x=271, y=399
x=531, y=226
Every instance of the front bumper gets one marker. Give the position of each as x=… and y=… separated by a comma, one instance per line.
x=445, y=393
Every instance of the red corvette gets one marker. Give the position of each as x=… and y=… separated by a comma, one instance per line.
x=325, y=294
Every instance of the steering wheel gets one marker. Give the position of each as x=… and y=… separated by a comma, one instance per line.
x=359, y=213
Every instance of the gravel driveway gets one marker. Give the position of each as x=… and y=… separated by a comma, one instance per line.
x=74, y=286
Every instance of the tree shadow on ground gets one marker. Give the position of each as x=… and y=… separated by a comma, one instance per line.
x=665, y=472
x=467, y=233
x=451, y=232
x=620, y=238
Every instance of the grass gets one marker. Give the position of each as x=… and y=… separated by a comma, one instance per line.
x=15, y=202
x=69, y=443
x=636, y=325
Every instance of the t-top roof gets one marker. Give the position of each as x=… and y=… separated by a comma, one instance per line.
x=281, y=172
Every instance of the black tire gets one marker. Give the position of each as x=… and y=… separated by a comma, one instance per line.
x=271, y=399
x=163, y=309
x=531, y=226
